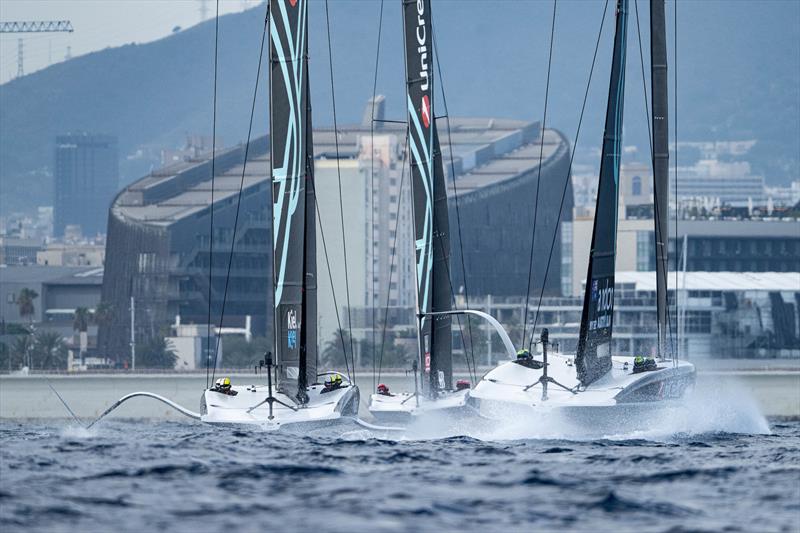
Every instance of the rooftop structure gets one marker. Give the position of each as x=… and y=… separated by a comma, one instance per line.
x=19, y=251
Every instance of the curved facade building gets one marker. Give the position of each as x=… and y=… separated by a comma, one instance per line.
x=496, y=206
x=157, y=247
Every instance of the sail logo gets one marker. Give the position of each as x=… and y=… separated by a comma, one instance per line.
x=603, y=303
x=426, y=111
x=291, y=329
x=422, y=41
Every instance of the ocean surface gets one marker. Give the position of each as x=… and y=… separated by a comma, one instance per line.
x=156, y=475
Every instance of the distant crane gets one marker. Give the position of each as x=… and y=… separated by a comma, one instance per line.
x=33, y=26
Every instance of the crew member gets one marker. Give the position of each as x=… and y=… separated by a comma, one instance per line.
x=223, y=386
x=383, y=390
x=644, y=364
x=525, y=358
x=332, y=383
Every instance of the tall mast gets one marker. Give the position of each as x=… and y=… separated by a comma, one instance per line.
x=594, y=343
x=291, y=157
x=431, y=226
x=308, y=339
x=658, y=79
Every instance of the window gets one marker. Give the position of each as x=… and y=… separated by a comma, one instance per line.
x=636, y=186
x=645, y=251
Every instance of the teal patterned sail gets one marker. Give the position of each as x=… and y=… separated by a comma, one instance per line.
x=431, y=226
x=294, y=259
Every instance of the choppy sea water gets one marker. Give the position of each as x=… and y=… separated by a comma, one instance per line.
x=134, y=475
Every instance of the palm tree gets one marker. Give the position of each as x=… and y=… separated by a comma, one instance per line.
x=80, y=320
x=21, y=349
x=49, y=349
x=80, y=323
x=156, y=353
x=25, y=303
x=333, y=355
x=103, y=315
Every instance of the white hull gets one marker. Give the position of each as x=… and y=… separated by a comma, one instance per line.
x=405, y=407
x=511, y=389
x=322, y=408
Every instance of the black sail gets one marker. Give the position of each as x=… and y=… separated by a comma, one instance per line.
x=594, y=343
x=660, y=110
x=429, y=195
x=290, y=150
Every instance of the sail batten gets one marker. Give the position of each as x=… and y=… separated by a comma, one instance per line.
x=593, y=358
x=294, y=256
x=429, y=199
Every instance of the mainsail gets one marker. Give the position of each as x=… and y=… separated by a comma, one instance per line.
x=293, y=218
x=594, y=343
x=658, y=79
x=429, y=195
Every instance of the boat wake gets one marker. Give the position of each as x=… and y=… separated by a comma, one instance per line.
x=720, y=406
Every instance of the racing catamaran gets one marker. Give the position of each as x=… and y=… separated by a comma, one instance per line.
x=298, y=396
x=593, y=380
x=435, y=391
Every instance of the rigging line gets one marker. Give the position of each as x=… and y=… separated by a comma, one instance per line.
x=458, y=214
x=539, y=180
x=333, y=289
x=677, y=209
x=390, y=121
x=657, y=214
x=453, y=298
x=241, y=187
x=569, y=168
x=394, y=253
x=211, y=206
x=339, y=179
x=446, y=254
x=372, y=186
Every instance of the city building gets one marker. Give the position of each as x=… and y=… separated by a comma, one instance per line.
x=18, y=250
x=784, y=196
x=61, y=290
x=66, y=254
x=192, y=344
x=720, y=315
x=729, y=182
x=86, y=178
x=717, y=238
x=158, y=247
x=494, y=198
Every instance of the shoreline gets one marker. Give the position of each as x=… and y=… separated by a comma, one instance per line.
x=239, y=373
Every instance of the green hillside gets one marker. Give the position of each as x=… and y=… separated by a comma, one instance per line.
x=739, y=77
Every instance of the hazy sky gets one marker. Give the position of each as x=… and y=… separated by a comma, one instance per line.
x=98, y=24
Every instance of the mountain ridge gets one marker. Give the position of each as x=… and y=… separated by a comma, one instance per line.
x=493, y=58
